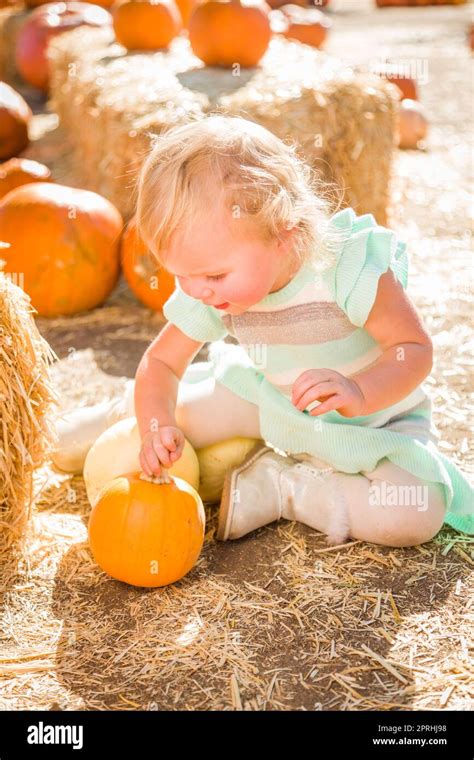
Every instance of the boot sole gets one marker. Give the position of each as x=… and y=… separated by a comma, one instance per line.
x=225, y=510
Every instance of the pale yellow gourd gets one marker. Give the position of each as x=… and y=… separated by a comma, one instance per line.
x=214, y=462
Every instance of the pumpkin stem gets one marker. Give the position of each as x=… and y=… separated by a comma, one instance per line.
x=158, y=479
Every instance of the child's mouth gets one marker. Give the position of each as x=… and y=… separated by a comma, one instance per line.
x=222, y=305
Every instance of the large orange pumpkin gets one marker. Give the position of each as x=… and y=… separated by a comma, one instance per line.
x=229, y=32
x=146, y=24
x=151, y=283
x=15, y=115
x=21, y=171
x=45, y=22
x=145, y=533
x=65, y=244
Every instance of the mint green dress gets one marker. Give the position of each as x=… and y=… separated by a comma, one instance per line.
x=350, y=444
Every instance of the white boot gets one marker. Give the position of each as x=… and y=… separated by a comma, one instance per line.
x=268, y=486
x=77, y=430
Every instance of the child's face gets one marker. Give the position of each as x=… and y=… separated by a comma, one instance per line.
x=222, y=262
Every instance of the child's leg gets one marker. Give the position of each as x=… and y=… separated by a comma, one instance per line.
x=388, y=505
x=391, y=506
x=207, y=412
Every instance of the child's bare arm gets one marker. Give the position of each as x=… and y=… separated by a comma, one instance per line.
x=407, y=348
x=157, y=378
x=406, y=360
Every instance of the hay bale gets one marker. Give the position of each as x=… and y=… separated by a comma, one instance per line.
x=112, y=103
x=12, y=19
x=25, y=398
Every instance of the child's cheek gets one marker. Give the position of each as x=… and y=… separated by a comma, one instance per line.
x=245, y=291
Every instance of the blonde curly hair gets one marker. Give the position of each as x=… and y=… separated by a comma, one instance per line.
x=192, y=167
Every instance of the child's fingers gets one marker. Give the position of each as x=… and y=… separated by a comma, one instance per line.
x=161, y=452
x=149, y=462
x=168, y=440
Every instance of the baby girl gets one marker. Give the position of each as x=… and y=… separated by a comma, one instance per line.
x=330, y=354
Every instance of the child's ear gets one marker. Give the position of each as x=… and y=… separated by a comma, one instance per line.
x=285, y=236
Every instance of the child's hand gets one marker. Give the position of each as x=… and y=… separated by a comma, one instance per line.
x=161, y=448
x=335, y=391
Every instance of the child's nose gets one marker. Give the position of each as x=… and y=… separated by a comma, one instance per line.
x=200, y=291
x=197, y=289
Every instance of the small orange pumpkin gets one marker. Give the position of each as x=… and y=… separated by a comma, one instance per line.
x=412, y=124
x=151, y=283
x=307, y=25
x=406, y=85
x=65, y=244
x=15, y=115
x=21, y=171
x=146, y=533
x=146, y=24
x=229, y=32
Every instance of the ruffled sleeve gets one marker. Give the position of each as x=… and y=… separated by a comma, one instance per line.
x=365, y=251
x=194, y=318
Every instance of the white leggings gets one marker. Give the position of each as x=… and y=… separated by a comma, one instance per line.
x=207, y=412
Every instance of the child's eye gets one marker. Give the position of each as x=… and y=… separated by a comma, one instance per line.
x=215, y=276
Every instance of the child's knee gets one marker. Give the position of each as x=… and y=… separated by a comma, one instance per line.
x=410, y=521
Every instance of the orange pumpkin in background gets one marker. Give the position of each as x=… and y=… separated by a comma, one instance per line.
x=307, y=25
x=146, y=533
x=15, y=115
x=406, y=85
x=404, y=3
x=302, y=3
x=146, y=24
x=412, y=124
x=45, y=22
x=151, y=283
x=64, y=242
x=37, y=3
x=21, y=171
x=229, y=32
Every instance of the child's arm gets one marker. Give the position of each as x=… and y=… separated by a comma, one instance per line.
x=407, y=348
x=406, y=360
x=157, y=378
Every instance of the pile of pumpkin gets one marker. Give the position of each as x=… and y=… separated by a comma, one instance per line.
x=412, y=120
x=67, y=245
x=221, y=32
x=149, y=531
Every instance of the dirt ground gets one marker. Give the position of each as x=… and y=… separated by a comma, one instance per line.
x=273, y=621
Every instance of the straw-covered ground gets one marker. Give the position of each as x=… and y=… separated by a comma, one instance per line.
x=276, y=620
